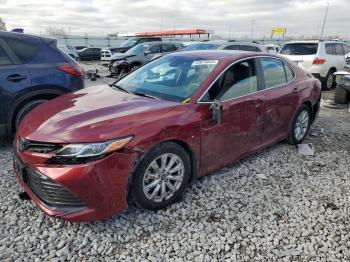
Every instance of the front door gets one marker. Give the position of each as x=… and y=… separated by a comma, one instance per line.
x=243, y=107
x=14, y=81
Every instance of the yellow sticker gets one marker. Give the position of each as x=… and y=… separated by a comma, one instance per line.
x=186, y=100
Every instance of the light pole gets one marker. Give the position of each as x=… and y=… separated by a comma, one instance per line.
x=324, y=21
x=252, y=32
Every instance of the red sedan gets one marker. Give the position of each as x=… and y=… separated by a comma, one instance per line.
x=86, y=155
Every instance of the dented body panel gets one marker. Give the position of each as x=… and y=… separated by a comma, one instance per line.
x=100, y=113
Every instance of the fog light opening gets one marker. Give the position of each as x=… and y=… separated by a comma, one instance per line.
x=23, y=196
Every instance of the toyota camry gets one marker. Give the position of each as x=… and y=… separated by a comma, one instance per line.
x=86, y=155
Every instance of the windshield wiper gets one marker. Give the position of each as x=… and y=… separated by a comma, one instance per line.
x=121, y=88
x=145, y=95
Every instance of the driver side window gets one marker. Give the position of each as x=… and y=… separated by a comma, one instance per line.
x=238, y=80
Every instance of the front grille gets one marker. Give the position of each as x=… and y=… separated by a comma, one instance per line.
x=48, y=191
x=37, y=147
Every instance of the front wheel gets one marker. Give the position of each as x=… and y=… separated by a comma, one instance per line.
x=300, y=125
x=161, y=177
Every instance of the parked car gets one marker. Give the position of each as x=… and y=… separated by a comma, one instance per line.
x=179, y=117
x=138, y=55
x=69, y=51
x=79, y=47
x=342, y=90
x=107, y=53
x=240, y=46
x=135, y=41
x=32, y=70
x=272, y=48
x=90, y=53
x=321, y=58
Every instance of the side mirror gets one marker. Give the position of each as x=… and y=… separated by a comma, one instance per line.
x=216, y=108
x=147, y=52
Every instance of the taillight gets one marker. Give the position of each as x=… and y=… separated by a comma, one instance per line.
x=319, y=61
x=72, y=70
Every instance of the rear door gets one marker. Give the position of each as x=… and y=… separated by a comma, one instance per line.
x=281, y=96
x=243, y=107
x=14, y=79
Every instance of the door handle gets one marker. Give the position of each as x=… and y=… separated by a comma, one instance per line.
x=295, y=89
x=16, y=78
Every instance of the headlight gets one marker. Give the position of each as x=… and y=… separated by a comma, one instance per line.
x=345, y=80
x=118, y=62
x=85, y=152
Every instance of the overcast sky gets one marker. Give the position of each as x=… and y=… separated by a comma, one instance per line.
x=99, y=17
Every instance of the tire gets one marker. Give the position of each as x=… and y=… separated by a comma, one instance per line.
x=148, y=180
x=134, y=67
x=329, y=82
x=294, y=137
x=341, y=96
x=25, y=109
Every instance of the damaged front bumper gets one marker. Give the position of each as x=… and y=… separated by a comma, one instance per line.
x=76, y=193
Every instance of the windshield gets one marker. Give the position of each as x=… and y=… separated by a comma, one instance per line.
x=138, y=49
x=173, y=78
x=299, y=49
x=129, y=43
x=201, y=47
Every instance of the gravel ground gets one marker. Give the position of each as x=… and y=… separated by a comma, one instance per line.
x=277, y=205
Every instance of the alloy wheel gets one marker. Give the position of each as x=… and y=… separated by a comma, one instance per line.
x=301, y=125
x=163, y=177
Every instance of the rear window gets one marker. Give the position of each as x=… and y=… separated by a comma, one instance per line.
x=299, y=49
x=24, y=50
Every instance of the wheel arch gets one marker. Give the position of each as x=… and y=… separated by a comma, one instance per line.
x=21, y=101
x=181, y=143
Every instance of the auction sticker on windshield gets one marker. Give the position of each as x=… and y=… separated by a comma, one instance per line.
x=205, y=62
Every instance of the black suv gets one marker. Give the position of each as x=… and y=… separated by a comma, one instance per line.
x=90, y=53
x=135, y=41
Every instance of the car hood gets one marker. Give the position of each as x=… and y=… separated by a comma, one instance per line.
x=92, y=114
x=121, y=56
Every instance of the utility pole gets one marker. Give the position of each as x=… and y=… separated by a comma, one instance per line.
x=324, y=21
x=252, y=32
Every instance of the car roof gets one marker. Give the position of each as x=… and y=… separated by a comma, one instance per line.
x=314, y=41
x=20, y=36
x=217, y=54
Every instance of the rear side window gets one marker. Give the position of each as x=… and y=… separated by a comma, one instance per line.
x=25, y=51
x=346, y=49
x=4, y=59
x=299, y=49
x=289, y=73
x=330, y=50
x=338, y=49
x=274, y=72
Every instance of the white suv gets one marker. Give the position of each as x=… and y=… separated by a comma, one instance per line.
x=320, y=58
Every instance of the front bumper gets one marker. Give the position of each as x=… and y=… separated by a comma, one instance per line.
x=100, y=186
